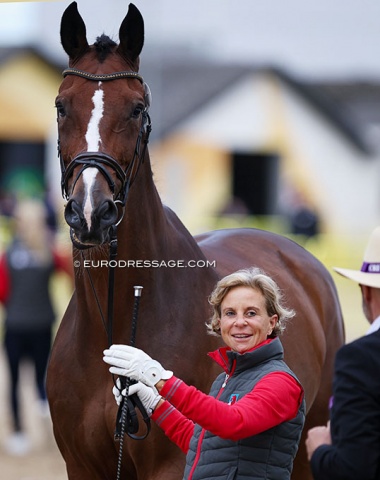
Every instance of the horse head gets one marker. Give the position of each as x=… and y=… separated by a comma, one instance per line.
x=103, y=124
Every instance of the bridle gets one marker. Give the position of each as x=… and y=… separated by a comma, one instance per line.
x=101, y=160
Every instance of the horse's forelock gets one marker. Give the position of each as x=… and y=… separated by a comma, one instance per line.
x=103, y=46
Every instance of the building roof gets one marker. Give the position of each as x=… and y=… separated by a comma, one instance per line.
x=351, y=107
x=181, y=88
x=356, y=107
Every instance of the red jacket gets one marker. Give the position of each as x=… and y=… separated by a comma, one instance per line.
x=274, y=399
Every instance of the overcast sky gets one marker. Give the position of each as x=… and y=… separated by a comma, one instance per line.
x=328, y=38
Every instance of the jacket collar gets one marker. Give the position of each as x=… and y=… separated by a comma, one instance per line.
x=234, y=361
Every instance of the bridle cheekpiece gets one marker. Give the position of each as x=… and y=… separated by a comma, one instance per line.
x=101, y=160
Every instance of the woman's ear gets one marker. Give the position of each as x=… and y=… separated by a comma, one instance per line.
x=272, y=323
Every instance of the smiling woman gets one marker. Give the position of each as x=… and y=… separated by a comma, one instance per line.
x=256, y=406
x=258, y=295
x=244, y=321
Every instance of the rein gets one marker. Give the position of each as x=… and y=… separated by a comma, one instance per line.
x=127, y=420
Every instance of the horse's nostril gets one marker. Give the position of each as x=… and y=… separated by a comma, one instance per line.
x=107, y=213
x=73, y=214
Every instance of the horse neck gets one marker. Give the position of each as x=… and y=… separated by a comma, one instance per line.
x=149, y=228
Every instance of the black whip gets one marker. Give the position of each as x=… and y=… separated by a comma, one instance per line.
x=127, y=420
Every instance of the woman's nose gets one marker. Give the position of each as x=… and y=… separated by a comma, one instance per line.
x=240, y=320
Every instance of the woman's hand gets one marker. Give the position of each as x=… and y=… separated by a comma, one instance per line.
x=133, y=363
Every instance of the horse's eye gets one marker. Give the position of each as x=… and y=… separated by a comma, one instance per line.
x=137, y=111
x=60, y=109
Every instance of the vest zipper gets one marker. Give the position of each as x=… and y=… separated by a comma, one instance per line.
x=224, y=383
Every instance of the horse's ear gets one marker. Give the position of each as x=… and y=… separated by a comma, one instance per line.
x=131, y=35
x=73, y=32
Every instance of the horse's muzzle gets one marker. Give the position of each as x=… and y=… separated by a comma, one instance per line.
x=93, y=229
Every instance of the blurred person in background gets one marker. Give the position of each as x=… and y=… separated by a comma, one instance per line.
x=304, y=220
x=26, y=268
x=348, y=447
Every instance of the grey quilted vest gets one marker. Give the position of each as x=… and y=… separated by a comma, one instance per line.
x=29, y=306
x=268, y=455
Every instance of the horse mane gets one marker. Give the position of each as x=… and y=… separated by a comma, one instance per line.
x=103, y=46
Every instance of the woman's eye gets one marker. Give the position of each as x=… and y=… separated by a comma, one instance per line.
x=60, y=109
x=251, y=313
x=137, y=111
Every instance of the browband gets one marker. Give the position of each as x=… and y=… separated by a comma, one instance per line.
x=102, y=77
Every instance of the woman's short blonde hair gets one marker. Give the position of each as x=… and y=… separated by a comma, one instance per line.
x=257, y=279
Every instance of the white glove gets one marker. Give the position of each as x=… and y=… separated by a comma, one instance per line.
x=132, y=362
x=117, y=393
x=149, y=396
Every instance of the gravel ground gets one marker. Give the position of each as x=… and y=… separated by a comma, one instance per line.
x=43, y=462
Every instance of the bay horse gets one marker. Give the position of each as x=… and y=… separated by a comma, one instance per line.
x=103, y=127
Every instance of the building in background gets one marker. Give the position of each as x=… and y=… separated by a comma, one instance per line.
x=226, y=139
x=28, y=86
x=273, y=141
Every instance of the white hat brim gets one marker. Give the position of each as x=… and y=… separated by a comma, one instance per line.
x=363, y=278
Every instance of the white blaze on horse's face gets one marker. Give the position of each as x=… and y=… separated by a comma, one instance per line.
x=93, y=133
x=93, y=144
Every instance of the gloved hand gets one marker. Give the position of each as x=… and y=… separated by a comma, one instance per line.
x=132, y=362
x=149, y=396
x=117, y=392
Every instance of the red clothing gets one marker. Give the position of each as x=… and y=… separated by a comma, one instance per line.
x=275, y=399
x=4, y=280
x=63, y=263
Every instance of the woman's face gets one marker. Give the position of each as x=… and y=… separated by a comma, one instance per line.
x=244, y=321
